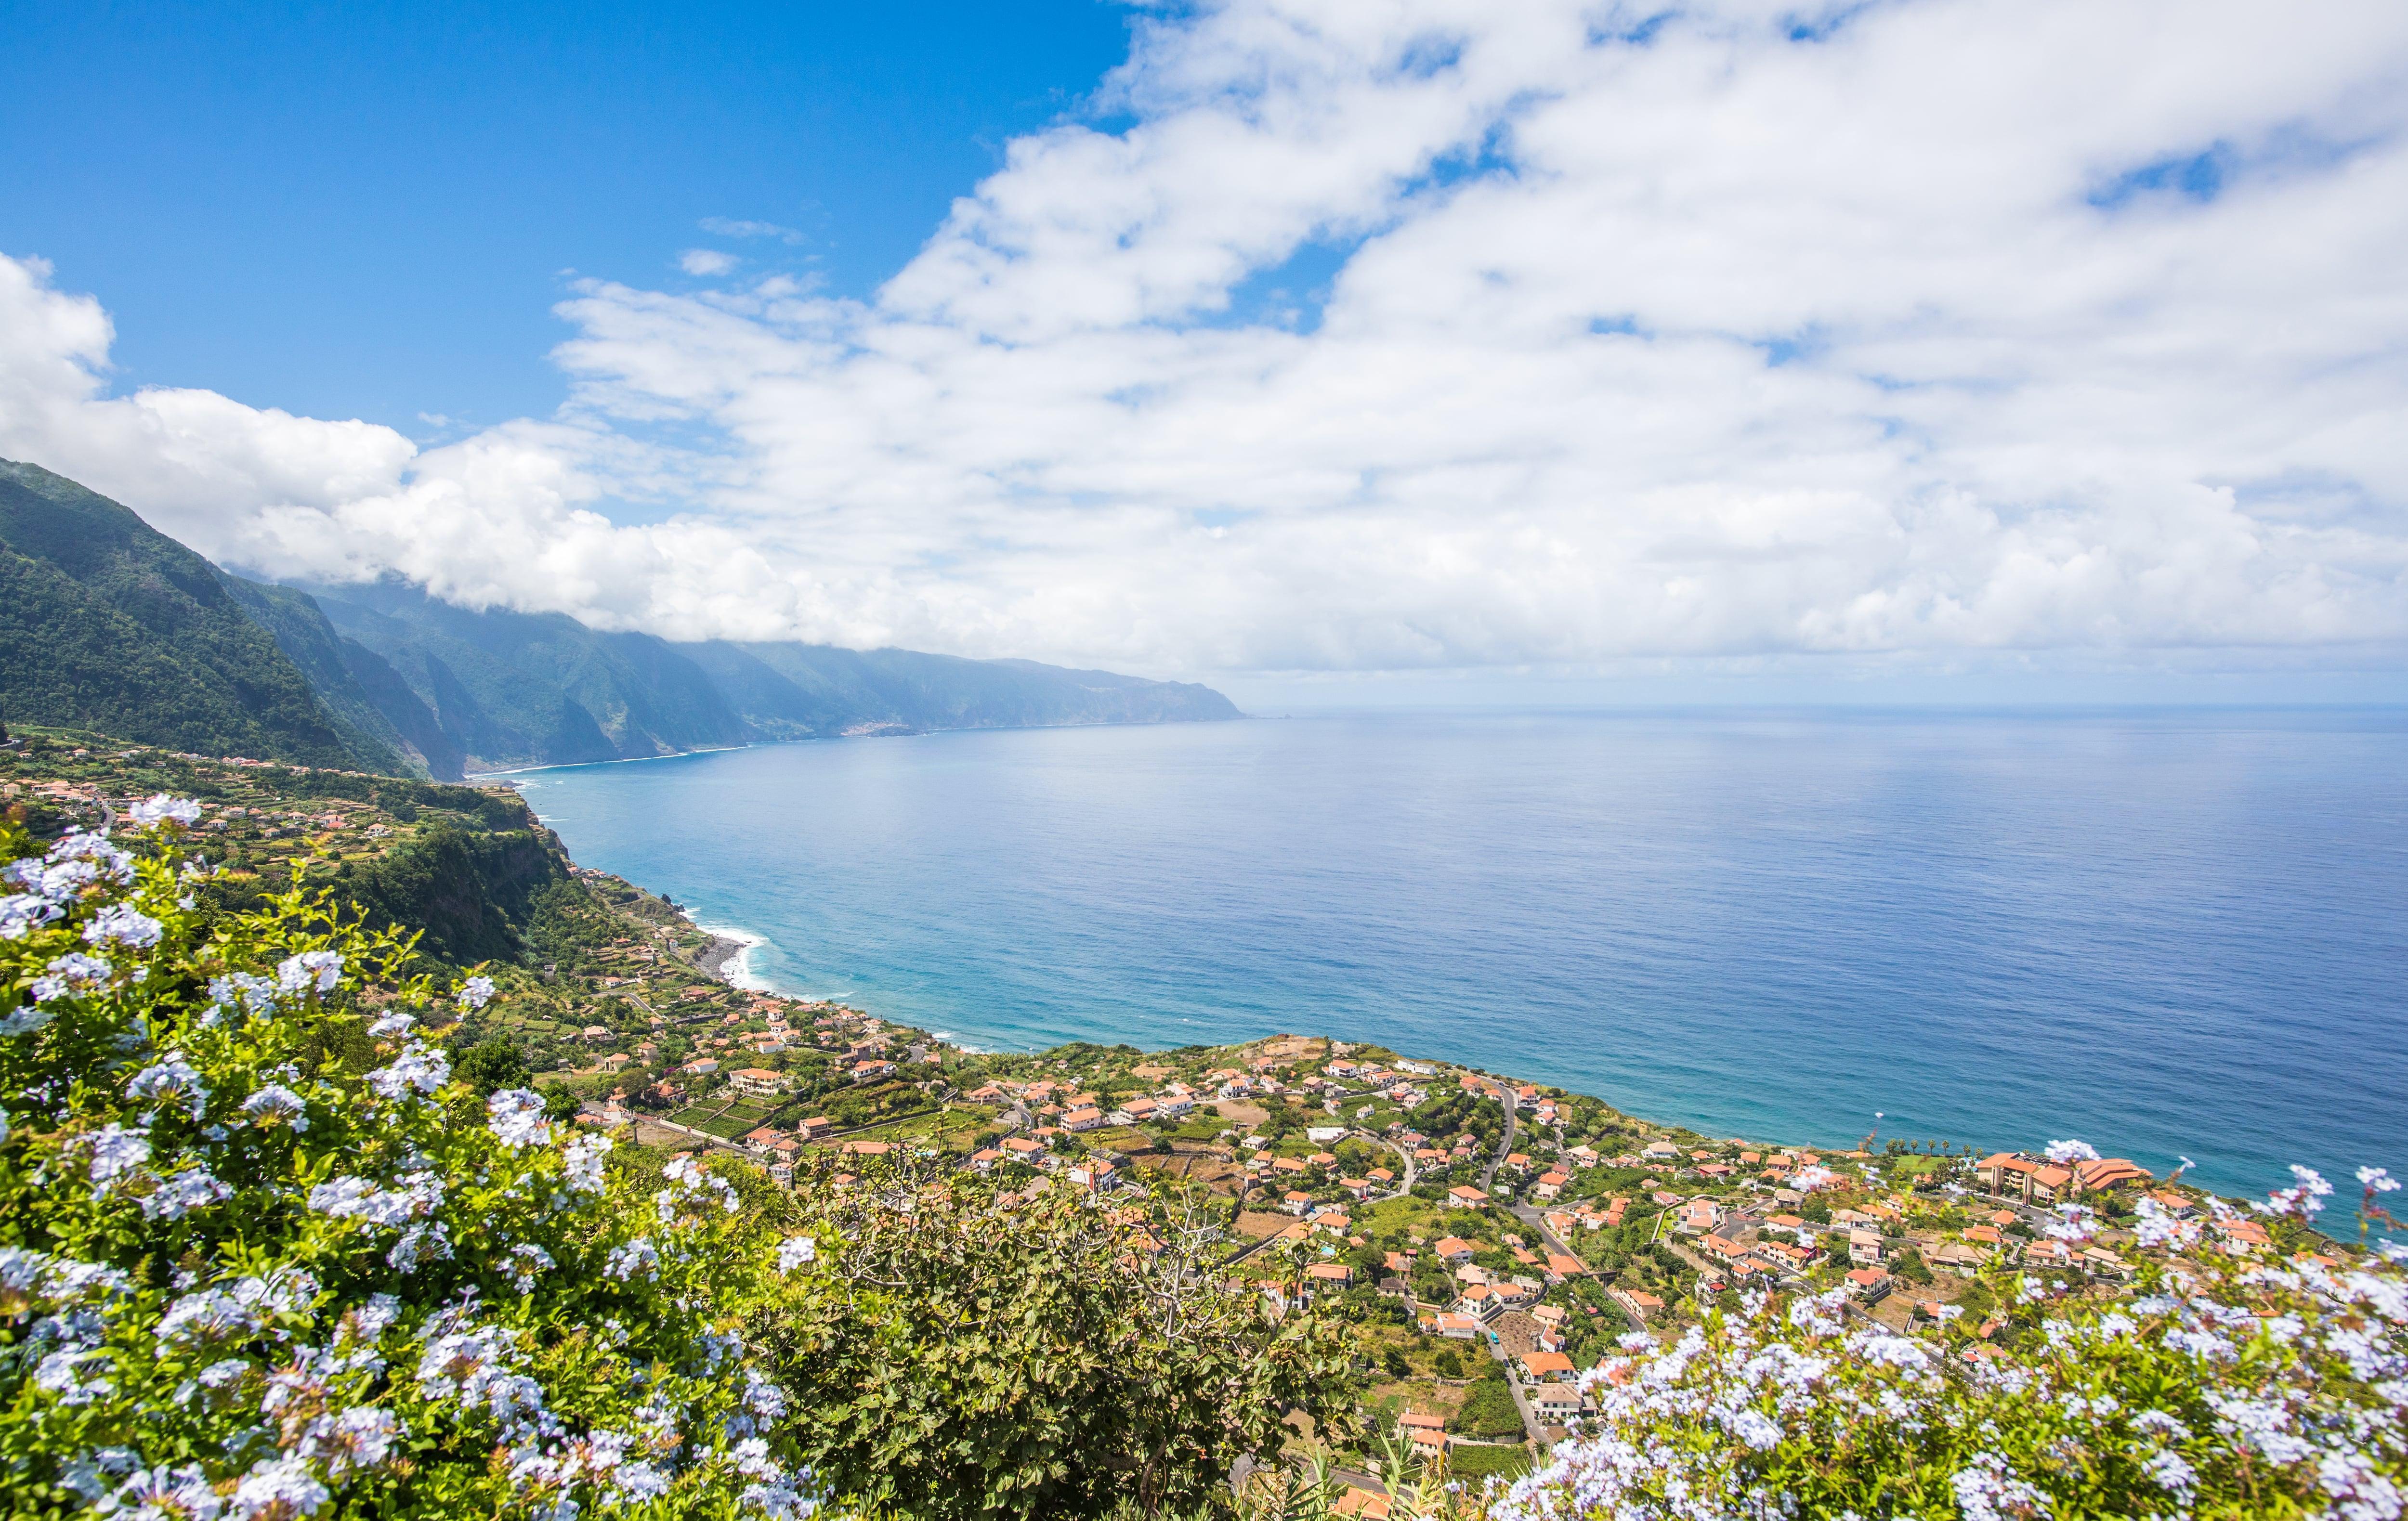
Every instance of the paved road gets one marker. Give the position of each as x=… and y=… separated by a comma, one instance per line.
x=1531, y=1215
x=1530, y=1423
x=1505, y=1148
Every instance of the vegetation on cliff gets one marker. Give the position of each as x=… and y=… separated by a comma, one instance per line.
x=106, y=623
x=262, y=1256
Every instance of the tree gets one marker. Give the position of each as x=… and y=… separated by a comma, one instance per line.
x=493, y=1064
x=982, y=1356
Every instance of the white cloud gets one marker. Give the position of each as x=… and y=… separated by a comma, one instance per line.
x=707, y=262
x=735, y=227
x=1946, y=327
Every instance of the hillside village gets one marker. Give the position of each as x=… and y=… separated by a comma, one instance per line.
x=1490, y=1239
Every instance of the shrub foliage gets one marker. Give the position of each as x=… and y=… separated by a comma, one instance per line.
x=263, y=1255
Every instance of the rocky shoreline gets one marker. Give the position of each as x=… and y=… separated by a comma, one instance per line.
x=719, y=958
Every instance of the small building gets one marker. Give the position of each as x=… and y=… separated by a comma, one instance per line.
x=1555, y=1404
x=2107, y=1173
x=756, y=1080
x=1963, y=1259
x=1546, y=1364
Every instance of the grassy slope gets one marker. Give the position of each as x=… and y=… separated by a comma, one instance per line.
x=105, y=623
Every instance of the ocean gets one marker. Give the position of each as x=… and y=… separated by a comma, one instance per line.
x=2170, y=933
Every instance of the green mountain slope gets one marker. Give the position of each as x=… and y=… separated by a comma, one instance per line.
x=519, y=688
x=309, y=642
x=107, y=624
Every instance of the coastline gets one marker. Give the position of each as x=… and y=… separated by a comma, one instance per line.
x=472, y=778
x=728, y=957
x=1145, y=886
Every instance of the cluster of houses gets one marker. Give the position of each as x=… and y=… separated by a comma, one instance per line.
x=1057, y=1104
x=1747, y=1243
x=1481, y=1296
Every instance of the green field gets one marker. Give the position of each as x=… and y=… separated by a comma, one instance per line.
x=694, y=1113
x=728, y=1127
x=1477, y=1463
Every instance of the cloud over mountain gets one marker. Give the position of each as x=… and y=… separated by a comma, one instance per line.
x=1387, y=336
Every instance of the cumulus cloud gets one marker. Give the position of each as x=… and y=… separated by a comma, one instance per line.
x=707, y=262
x=1438, y=334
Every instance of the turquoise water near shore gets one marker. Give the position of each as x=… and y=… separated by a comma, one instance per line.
x=2168, y=933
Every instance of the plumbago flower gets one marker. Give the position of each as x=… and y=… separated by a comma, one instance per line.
x=2237, y=1381
x=247, y=1278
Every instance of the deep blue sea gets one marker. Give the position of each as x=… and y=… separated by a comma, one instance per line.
x=2168, y=933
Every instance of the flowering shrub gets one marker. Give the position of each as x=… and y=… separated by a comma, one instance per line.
x=261, y=1258
x=2236, y=1384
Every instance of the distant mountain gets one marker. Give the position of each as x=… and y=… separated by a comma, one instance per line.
x=367, y=698
x=508, y=688
x=800, y=692
x=106, y=623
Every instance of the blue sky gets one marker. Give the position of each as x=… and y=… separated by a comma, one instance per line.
x=366, y=210
x=1385, y=351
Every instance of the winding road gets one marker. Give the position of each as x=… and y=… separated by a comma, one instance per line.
x=1505, y=1148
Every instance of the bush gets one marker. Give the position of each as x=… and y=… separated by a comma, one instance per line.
x=262, y=1254
x=259, y=1255
x=983, y=1356
x=1473, y=1464
x=2237, y=1384
x=1489, y=1411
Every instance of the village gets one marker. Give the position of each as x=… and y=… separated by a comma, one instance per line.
x=1490, y=1239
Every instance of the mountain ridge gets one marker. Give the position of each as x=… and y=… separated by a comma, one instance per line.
x=509, y=688
x=107, y=624
x=112, y=626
